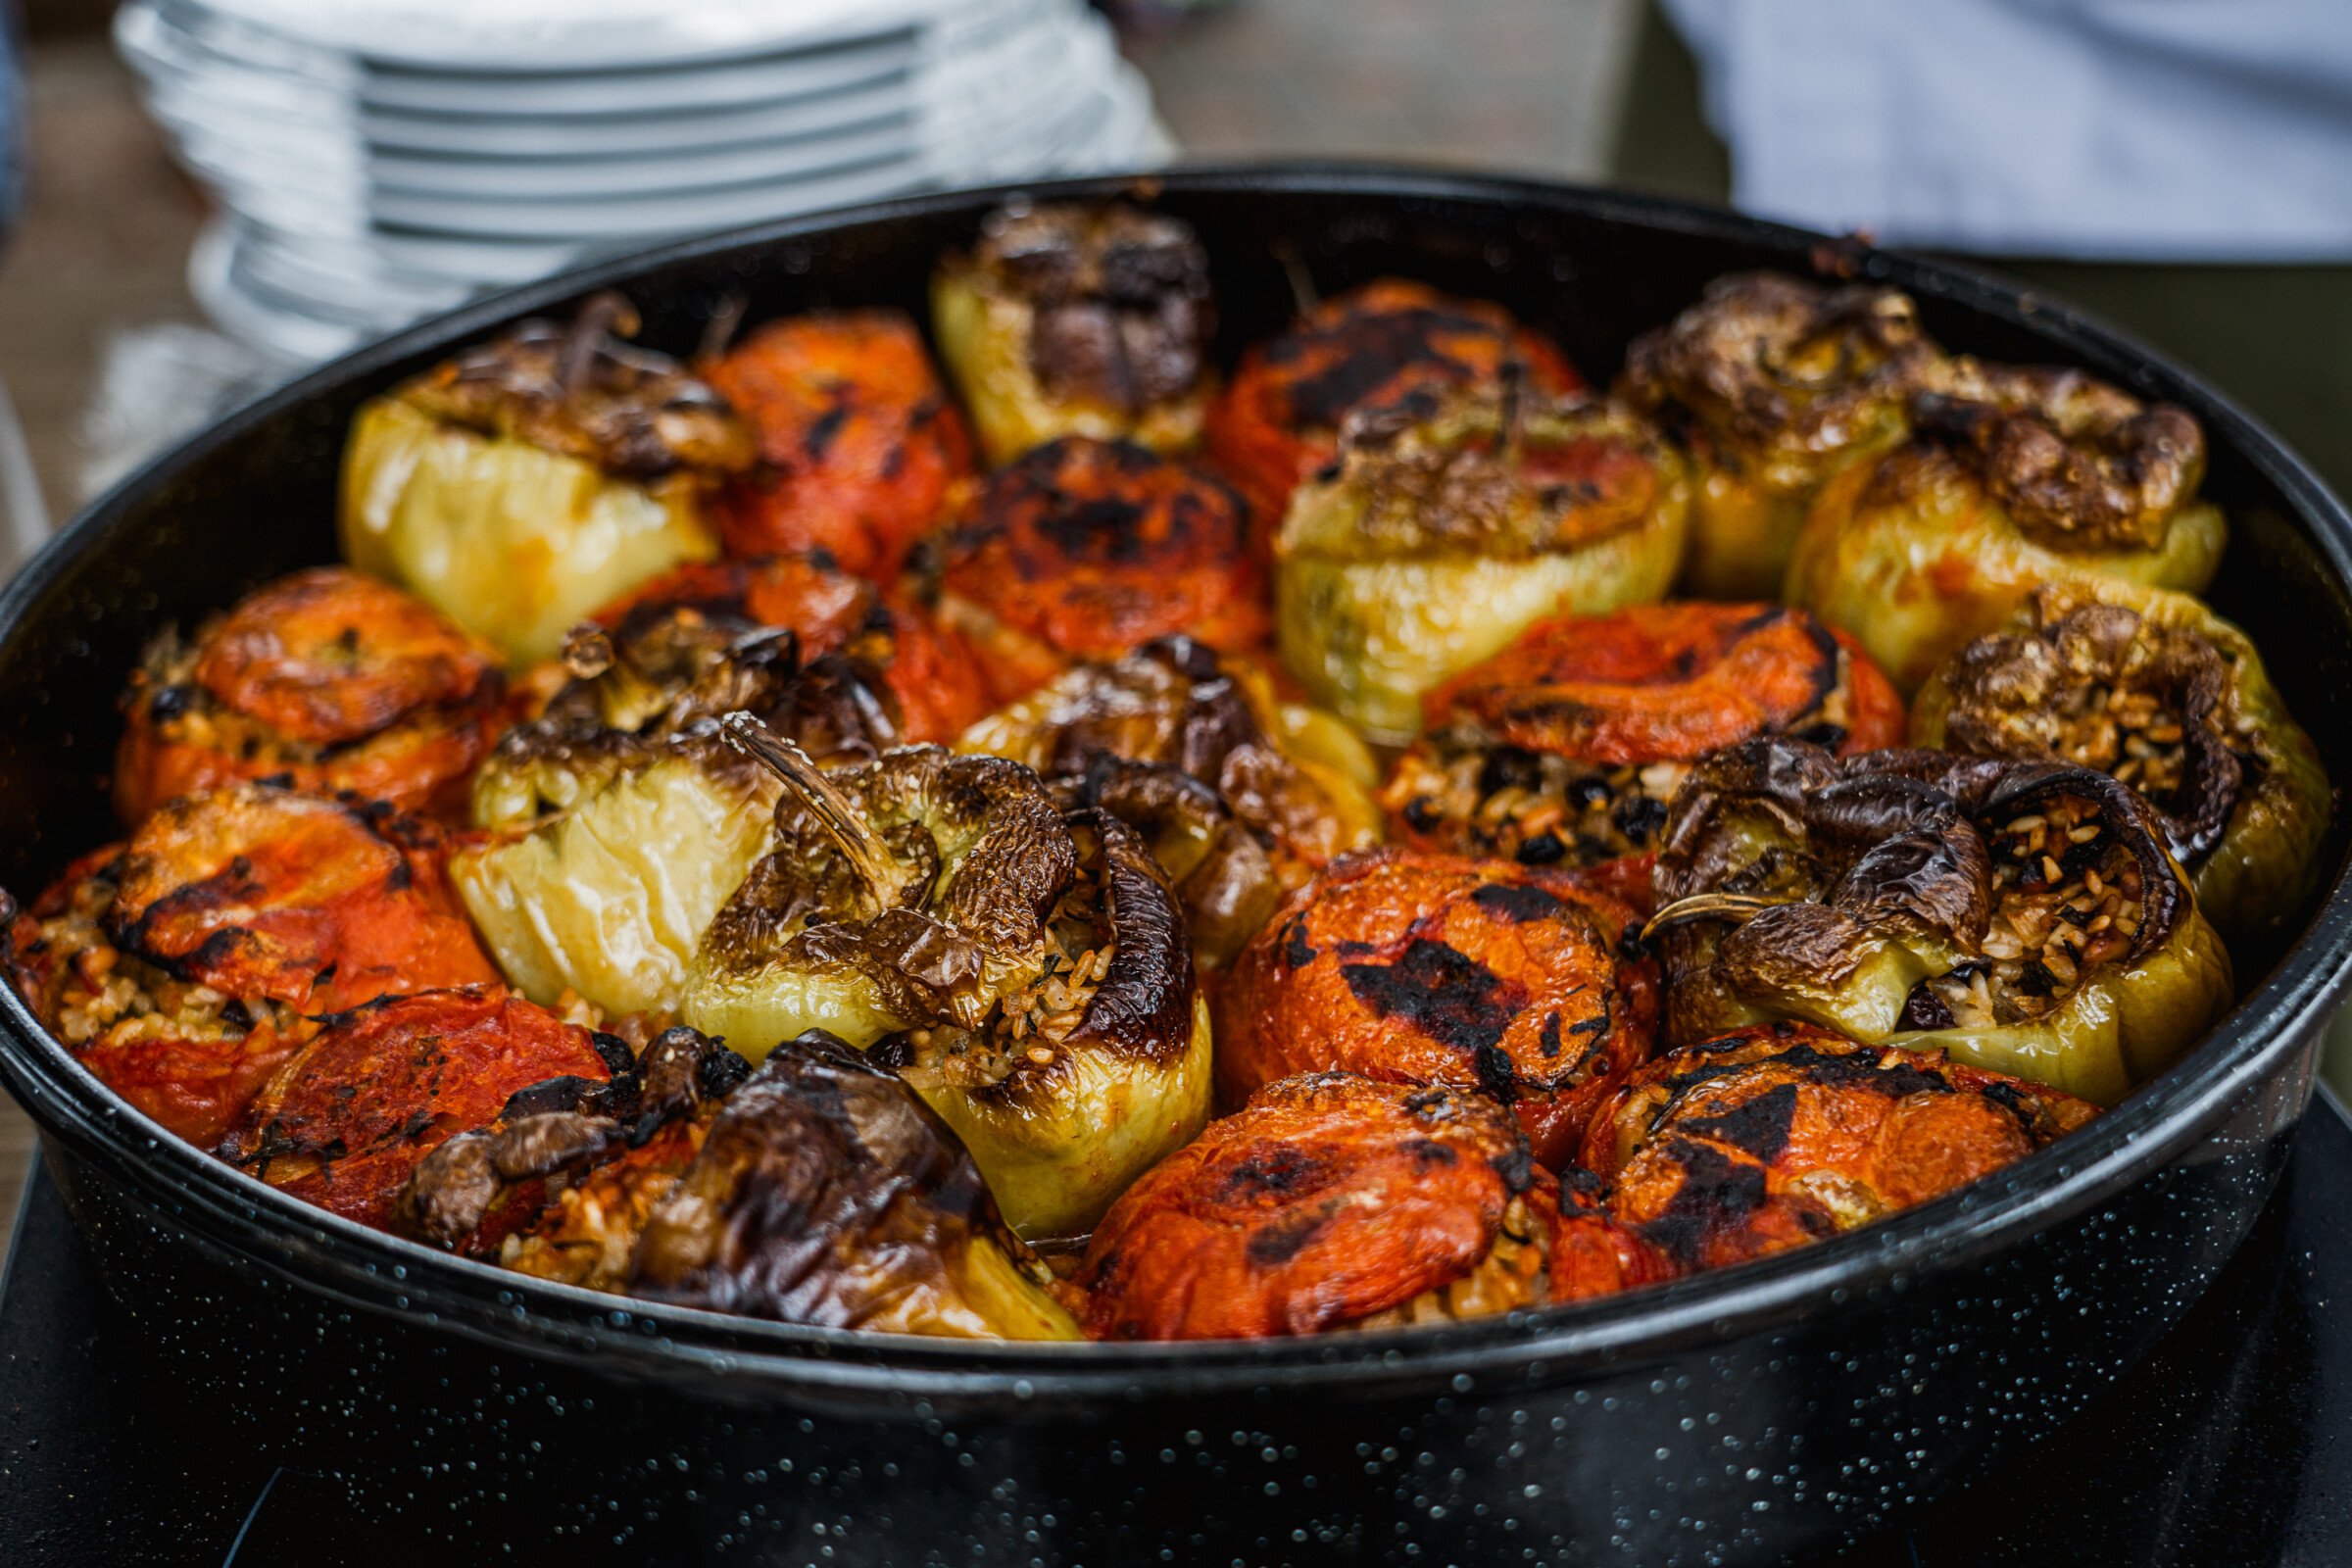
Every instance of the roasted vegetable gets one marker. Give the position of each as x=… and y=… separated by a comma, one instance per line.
x=327, y=679
x=1565, y=748
x=1773, y=384
x=1280, y=419
x=2169, y=698
x=1447, y=524
x=1034, y=963
x=2012, y=478
x=1069, y=320
x=346, y=1122
x=826, y=1194
x=524, y=483
x=2024, y=917
x=181, y=966
x=1330, y=1200
x=1784, y=1134
x=929, y=671
x=561, y=1183
x=620, y=822
x=1428, y=969
x=1084, y=549
x=860, y=451
x=1241, y=796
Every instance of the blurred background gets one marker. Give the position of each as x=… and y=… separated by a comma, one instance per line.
x=201, y=196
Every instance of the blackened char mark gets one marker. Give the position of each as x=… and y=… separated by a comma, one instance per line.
x=1280, y=1171
x=1452, y=998
x=1759, y=1126
x=1371, y=350
x=1717, y=1195
x=1516, y=901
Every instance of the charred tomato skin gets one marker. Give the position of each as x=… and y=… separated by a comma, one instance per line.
x=1779, y=1135
x=1325, y=1200
x=861, y=451
x=1279, y=420
x=326, y=678
x=1082, y=548
x=346, y=1122
x=1422, y=969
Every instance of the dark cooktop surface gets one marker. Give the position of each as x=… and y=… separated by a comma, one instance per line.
x=2232, y=1444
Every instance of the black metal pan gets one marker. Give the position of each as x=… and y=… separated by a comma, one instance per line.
x=1733, y=1417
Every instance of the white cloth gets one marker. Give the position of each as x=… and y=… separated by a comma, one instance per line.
x=2145, y=129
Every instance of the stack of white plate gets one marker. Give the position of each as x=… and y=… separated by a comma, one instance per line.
x=377, y=160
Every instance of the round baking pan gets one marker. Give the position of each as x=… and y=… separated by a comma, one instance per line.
x=1735, y=1416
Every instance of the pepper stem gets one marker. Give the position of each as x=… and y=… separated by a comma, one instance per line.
x=868, y=856
x=1733, y=906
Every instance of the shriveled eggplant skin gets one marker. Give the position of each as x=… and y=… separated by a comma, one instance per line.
x=1773, y=384
x=346, y=1122
x=1423, y=968
x=2157, y=690
x=1327, y=1201
x=1280, y=419
x=2012, y=477
x=826, y=1193
x=1781, y=1135
x=561, y=1183
x=2025, y=917
x=1034, y=963
x=1565, y=748
x=1083, y=548
x=524, y=483
x=1448, y=525
x=1242, y=797
x=860, y=449
x=1068, y=319
x=182, y=967
x=325, y=679
x=930, y=671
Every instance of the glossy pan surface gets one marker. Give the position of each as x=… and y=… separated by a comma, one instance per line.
x=1728, y=1417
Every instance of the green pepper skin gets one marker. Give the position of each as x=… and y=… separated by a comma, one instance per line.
x=1794, y=885
x=2250, y=836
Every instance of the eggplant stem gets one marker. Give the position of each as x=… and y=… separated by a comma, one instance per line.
x=868, y=856
x=1733, y=906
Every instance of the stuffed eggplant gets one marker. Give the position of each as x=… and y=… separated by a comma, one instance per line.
x=1565, y=748
x=1090, y=321
x=1332, y=1201
x=2169, y=698
x=1241, y=796
x=860, y=451
x=1083, y=548
x=1281, y=418
x=815, y=1190
x=1773, y=384
x=1450, y=523
x=2012, y=477
x=1431, y=969
x=1027, y=966
x=327, y=679
x=617, y=822
x=2026, y=917
x=348, y=1120
x=524, y=483
x=185, y=966
x=1781, y=1135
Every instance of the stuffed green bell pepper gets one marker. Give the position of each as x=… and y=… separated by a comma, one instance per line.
x=2157, y=690
x=2026, y=917
x=1024, y=967
x=532, y=479
x=1450, y=522
x=2013, y=477
x=1773, y=384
